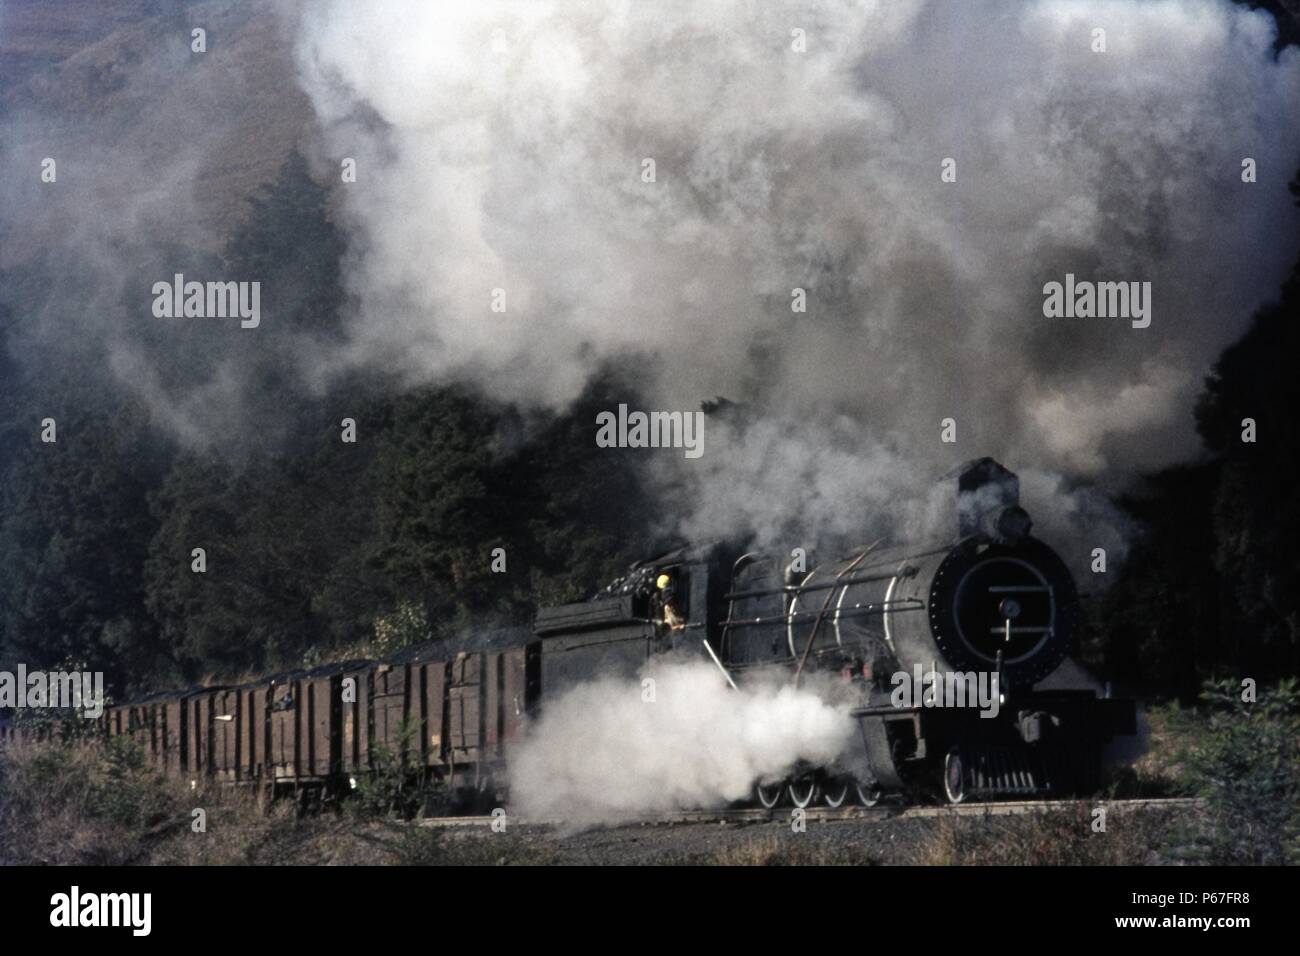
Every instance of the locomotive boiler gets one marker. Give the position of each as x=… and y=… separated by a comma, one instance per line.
x=956, y=656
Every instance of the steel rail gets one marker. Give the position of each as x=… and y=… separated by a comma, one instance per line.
x=881, y=812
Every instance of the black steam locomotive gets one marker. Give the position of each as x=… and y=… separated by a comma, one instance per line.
x=992, y=615
x=952, y=654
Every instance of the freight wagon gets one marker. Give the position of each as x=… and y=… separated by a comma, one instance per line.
x=445, y=710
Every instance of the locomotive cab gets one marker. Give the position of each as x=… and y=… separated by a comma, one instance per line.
x=617, y=632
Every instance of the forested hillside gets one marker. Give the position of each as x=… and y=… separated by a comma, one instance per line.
x=311, y=542
x=1212, y=587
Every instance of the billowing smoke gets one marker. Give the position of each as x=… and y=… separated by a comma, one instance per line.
x=679, y=738
x=503, y=156
x=829, y=483
x=650, y=184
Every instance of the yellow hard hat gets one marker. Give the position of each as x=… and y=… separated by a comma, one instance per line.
x=663, y=581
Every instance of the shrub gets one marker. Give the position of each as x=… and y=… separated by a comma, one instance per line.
x=1243, y=758
x=70, y=802
x=394, y=786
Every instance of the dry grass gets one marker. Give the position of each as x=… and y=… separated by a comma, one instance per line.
x=104, y=805
x=1063, y=837
x=1059, y=837
x=77, y=804
x=97, y=804
x=409, y=845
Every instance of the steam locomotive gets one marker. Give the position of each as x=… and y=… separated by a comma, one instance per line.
x=994, y=613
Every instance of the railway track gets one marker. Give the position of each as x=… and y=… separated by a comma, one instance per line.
x=825, y=814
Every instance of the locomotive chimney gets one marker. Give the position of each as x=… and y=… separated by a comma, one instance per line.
x=988, y=502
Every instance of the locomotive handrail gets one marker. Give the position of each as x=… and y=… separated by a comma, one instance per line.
x=798, y=589
x=883, y=710
x=845, y=571
x=906, y=604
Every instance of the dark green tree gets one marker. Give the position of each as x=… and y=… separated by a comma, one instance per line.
x=1256, y=507
x=74, y=533
x=1212, y=586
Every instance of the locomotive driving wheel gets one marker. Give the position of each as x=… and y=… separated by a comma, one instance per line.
x=768, y=795
x=868, y=794
x=954, y=777
x=804, y=791
x=836, y=792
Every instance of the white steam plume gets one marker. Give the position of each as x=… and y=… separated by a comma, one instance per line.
x=603, y=751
